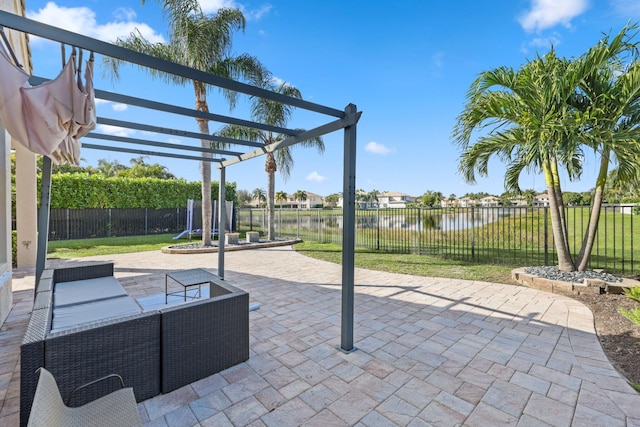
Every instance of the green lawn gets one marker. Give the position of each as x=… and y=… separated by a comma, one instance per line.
x=418, y=265
x=110, y=245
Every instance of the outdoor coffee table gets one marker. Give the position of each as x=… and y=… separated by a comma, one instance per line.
x=187, y=278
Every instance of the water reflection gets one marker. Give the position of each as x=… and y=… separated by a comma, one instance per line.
x=410, y=219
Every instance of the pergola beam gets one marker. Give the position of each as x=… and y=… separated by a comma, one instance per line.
x=160, y=106
x=167, y=145
x=149, y=153
x=348, y=120
x=174, y=132
x=36, y=28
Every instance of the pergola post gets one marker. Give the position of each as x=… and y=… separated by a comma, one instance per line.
x=348, y=233
x=43, y=217
x=222, y=214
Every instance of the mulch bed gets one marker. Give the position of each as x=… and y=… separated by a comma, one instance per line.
x=618, y=335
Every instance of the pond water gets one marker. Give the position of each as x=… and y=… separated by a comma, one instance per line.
x=388, y=219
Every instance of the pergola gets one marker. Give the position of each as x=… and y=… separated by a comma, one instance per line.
x=345, y=120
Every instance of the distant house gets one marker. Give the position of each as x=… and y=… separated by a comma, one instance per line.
x=361, y=202
x=466, y=202
x=489, y=201
x=313, y=201
x=449, y=202
x=518, y=201
x=541, y=200
x=392, y=199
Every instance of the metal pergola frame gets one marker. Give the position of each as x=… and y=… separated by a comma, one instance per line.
x=346, y=120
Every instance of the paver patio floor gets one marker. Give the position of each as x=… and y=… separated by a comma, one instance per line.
x=429, y=351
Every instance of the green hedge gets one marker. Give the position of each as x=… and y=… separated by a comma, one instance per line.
x=82, y=191
x=14, y=249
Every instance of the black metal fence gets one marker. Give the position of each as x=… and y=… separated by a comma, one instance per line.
x=65, y=224
x=512, y=236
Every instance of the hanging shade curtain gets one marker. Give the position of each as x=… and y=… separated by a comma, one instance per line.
x=50, y=118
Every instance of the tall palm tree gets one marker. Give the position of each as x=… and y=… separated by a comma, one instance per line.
x=281, y=196
x=536, y=123
x=203, y=42
x=259, y=195
x=276, y=114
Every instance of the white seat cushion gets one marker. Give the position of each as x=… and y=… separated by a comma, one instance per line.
x=81, y=291
x=74, y=315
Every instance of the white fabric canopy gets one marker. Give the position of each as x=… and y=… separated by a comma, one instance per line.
x=50, y=118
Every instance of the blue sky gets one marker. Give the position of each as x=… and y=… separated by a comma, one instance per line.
x=406, y=65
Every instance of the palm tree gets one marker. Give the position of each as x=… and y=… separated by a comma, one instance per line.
x=281, y=196
x=259, y=195
x=609, y=101
x=332, y=199
x=539, y=120
x=300, y=196
x=272, y=113
x=529, y=195
x=202, y=42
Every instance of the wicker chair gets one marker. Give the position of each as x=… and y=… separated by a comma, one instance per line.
x=115, y=409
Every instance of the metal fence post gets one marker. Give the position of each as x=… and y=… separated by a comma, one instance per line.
x=68, y=224
x=473, y=234
x=378, y=227
x=546, y=235
x=419, y=231
x=146, y=221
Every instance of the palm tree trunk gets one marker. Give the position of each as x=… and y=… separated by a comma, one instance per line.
x=565, y=263
x=559, y=201
x=205, y=166
x=270, y=167
x=594, y=217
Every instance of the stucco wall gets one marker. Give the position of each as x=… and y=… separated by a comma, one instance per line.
x=19, y=45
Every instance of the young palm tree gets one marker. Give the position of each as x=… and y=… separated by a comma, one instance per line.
x=539, y=120
x=281, y=196
x=202, y=42
x=275, y=114
x=300, y=196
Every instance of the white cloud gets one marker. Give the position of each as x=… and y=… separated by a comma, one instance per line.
x=82, y=20
x=277, y=80
x=542, y=43
x=119, y=107
x=314, y=176
x=115, y=130
x=549, y=13
x=257, y=14
x=125, y=14
x=212, y=6
x=375, y=148
x=626, y=8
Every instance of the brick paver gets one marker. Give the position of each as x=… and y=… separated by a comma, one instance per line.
x=430, y=351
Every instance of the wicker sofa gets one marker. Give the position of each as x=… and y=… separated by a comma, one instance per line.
x=155, y=351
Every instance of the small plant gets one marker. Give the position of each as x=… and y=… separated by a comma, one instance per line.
x=633, y=314
x=633, y=293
